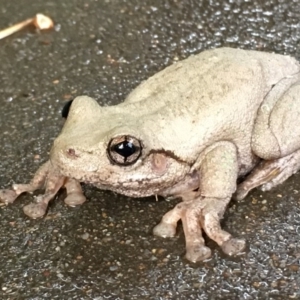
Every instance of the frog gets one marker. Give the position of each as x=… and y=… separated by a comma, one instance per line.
x=205, y=130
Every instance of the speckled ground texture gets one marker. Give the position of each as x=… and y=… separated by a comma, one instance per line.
x=104, y=249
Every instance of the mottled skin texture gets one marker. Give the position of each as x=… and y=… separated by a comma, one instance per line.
x=200, y=124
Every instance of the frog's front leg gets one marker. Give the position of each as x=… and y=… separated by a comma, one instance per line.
x=218, y=173
x=38, y=208
x=10, y=195
x=50, y=179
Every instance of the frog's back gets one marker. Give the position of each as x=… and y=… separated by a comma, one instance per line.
x=208, y=97
x=209, y=70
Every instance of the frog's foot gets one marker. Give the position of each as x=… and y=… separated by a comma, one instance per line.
x=202, y=213
x=46, y=178
x=38, y=208
x=269, y=174
x=9, y=196
x=74, y=193
x=53, y=184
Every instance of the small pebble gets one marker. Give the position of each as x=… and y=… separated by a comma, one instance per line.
x=113, y=268
x=85, y=236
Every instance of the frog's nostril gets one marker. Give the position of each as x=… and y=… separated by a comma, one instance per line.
x=72, y=153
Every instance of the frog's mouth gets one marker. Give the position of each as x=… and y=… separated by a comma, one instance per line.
x=146, y=188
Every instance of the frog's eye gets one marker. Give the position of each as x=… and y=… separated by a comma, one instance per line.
x=124, y=150
x=66, y=109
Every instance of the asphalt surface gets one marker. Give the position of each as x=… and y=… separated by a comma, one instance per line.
x=104, y=249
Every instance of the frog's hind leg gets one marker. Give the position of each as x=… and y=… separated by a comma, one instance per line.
x=270, y=173
x=276, y=137
x=276, y=131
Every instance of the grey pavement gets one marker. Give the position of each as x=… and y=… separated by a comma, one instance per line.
x=104, y=249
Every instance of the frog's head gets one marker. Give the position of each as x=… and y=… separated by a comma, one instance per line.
x=105, y=147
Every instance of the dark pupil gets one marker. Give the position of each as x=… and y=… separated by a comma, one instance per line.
x=125, y=149
x=66, y=109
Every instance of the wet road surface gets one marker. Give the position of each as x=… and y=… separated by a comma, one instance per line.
x=104, y=249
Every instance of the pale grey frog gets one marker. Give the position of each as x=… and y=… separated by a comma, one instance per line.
x=189, y=131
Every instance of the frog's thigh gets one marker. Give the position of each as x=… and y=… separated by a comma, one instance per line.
x=276, y=131
x=269, y=173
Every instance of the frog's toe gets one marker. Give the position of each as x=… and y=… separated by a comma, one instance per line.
x=196, y=253
x=233, y=246
x=164, y=230
x=168, y=223
x=35, y=210
x=74, y=199
x=241, y=192
x=8, y=196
